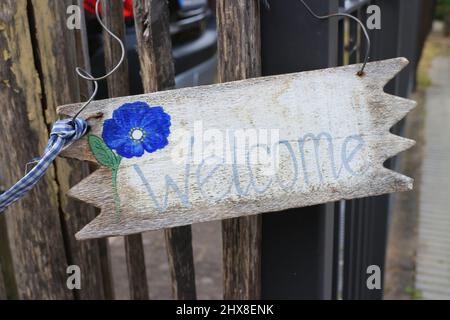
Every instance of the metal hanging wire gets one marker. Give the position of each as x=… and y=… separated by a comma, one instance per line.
x=89, y=77
x=363, y=28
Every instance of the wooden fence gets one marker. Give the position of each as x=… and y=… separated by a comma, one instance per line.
x=37, y=73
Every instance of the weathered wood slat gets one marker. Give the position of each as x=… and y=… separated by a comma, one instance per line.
x=57, y=59
x=34, y=227
x=118, y=85
x=181, y=262
x=112, y=15
x=154, y=44
x=82, y=49
x=239, y=49
x=82, y=52
x=157, y=73
x=6, y=261
x=105, y=260
x=241, y=239
x=2, y=285
x=86, y=88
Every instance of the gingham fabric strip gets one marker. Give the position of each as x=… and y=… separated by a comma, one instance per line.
x=64, y=132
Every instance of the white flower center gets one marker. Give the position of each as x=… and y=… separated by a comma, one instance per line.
x=137, y=134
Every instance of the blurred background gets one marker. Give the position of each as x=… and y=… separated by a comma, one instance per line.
x=194, y=43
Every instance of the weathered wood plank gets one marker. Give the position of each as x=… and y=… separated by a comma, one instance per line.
x=239, y=50
x=238, y=43
x=34, y=228
x=82, y=50
x=330, y=139
x=112, y=15
x=118, y=85
x=86, y=88
x=2, y=285
x=157, y=73
x=241, y=239
x=181, y=262
x=6, y=261
x=154, y=45
x=57, y=59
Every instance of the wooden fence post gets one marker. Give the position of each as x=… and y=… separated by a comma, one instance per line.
x=2, y=285
x=34, y=226
x=157, y=73
x=9, y=281
x=56, y=60
x=239, y=49
x=118, y=85
x=86, y=88
x=82, y=47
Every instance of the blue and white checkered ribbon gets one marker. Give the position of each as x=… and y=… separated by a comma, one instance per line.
x=64, y=132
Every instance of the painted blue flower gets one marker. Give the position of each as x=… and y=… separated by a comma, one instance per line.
x=136, y=127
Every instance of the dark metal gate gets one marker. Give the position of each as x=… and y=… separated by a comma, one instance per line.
x=302, y=256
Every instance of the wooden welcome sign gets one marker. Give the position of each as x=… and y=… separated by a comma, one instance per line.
x=214, y=152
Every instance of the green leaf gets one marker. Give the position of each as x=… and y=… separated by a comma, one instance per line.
x=104, y=155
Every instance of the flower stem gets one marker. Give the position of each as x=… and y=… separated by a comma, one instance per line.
x=116, y=192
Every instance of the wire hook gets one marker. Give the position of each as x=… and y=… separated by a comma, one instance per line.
x=87, y=76
x=366, y=34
